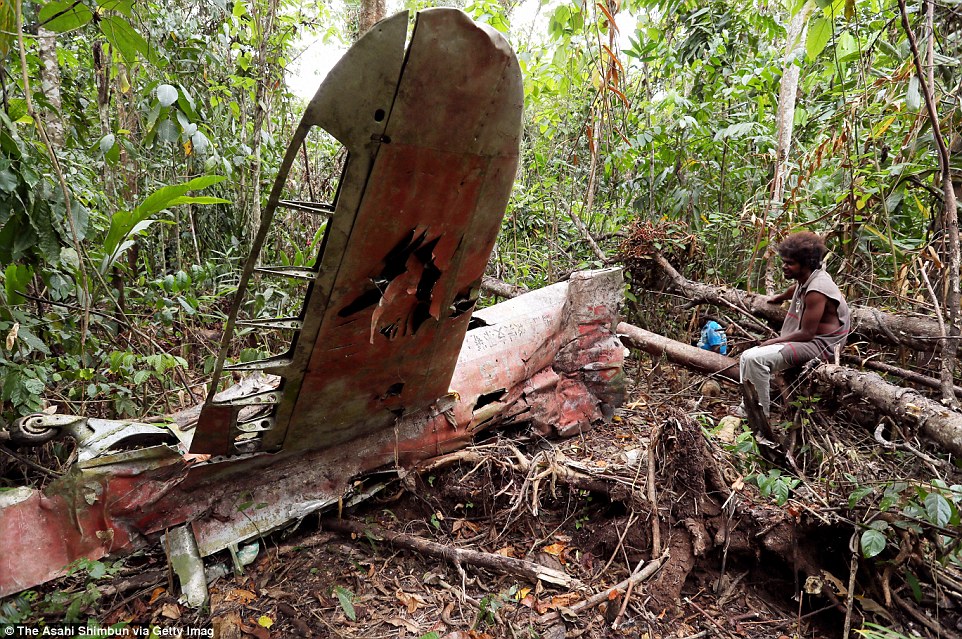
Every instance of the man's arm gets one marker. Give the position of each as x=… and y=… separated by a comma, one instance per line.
x=783, y=297
x=808, y=326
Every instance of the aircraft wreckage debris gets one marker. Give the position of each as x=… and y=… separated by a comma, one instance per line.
x=388, y=366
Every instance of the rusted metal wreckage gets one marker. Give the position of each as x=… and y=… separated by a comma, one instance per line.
x=388, y=363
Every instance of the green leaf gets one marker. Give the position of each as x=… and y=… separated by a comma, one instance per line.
x=346, y=598
x=198, y=199
x=166, y=95
x=8, y=180
x=97, y=570
x=938, y=509
x=120, y=6
x=818, y=36
x=122, y=36
x=16, y=109
x=64, y=16
x=124, y=223
x=913, y=99
x=36, y=344
x=8, y=27
x=873, y=542
x=107, y=142
x=16, y=278
x=858, y=494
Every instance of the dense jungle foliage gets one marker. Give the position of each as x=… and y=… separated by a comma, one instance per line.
x=139, y=141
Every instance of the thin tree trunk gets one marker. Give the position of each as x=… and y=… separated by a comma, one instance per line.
x=949, y=343
x=787, y=95
x=50, y=84
x=371, y=12
x=785, y=124
x=260, y=114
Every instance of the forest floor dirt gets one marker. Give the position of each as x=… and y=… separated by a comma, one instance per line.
x=738, y=560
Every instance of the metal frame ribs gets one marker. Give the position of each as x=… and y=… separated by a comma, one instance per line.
x=388, y=364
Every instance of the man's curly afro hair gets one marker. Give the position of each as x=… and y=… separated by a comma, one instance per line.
x=804, y=247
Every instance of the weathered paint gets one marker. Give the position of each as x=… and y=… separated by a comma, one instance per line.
x=383, y=371
x=529, y=361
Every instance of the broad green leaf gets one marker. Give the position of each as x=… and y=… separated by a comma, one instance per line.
x=818, y=36
x=913, y=99
x=124, y=7
x=162, y=197
x=16, y=109
x=8, y=180
x=873, y=542
x=168, y=132
x=858, y=494
x=166, y=95
x=124, y=38
x=16, y=278
x=846, y=46
x=938, y=509
x=200, y=142
x=125, y=223
x=8, y=26
x=198, y=199
x=107, y=143
x=64, y=16
x=345, y=597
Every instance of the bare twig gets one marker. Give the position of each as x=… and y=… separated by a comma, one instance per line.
x=642, y=575
x=497, y=563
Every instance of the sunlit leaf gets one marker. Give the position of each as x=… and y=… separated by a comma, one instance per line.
x=818, y=36
x=166, y=95
x=64, y=16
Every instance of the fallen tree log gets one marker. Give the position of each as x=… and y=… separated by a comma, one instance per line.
x=904, y=405
x=870, y=323
x=697, y=359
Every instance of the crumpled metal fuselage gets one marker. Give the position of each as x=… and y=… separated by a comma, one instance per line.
x=383, y=370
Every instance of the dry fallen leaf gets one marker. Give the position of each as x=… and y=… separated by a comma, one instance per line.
x=242, y=596
x=507, y=551
x=555, y=549
x=229, y=626
x=258, y=631
x=12, y=336
x=155, y=595
x=399, y=622
x=170, y=610
x=411, y=600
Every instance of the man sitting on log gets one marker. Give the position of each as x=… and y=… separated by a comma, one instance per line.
x=817, y=322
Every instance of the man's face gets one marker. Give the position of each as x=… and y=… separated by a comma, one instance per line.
x=791, y=269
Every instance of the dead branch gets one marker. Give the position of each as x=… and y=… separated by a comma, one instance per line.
x=904, y=405
x=495, y=286
x=698, y=359
x=607, y=594
x=910, y=376
x=497, y=563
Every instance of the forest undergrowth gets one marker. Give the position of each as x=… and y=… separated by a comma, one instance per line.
x=736, y=542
